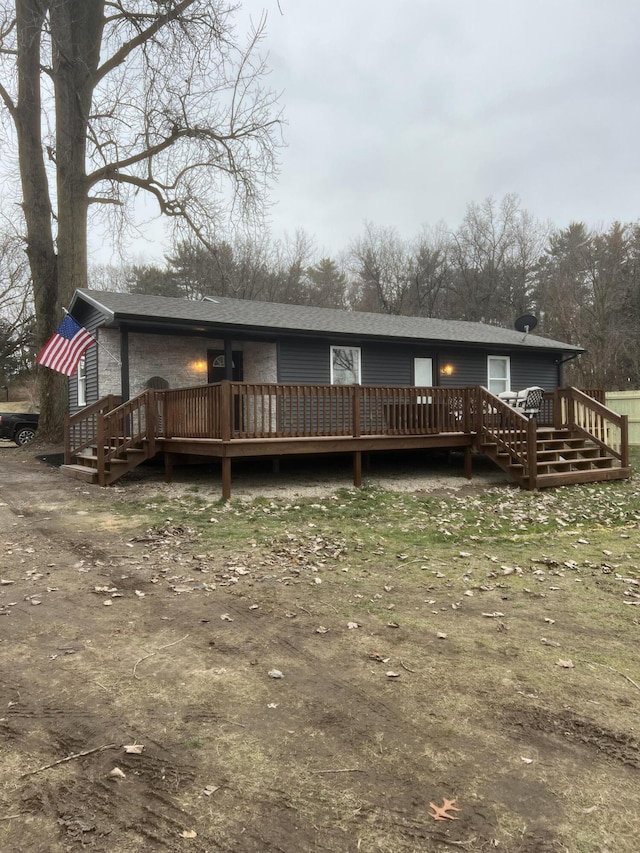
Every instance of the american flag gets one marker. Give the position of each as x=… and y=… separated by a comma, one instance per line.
x=65, y=348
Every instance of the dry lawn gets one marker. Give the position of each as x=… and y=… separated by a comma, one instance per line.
x=437, y=640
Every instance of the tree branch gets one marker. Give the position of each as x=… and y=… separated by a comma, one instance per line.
x=120, y=55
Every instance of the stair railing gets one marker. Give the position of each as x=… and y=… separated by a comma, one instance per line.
x=584, y=414
x=125, y=427
x=501, y=424
x=81, y=428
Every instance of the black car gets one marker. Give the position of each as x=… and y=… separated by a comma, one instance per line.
x=18, y=426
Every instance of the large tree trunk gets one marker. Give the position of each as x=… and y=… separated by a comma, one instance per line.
x=76, y=29
x=40, y=250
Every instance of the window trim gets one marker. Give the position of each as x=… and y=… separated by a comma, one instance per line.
x=357, y=350
x=81, y=378
x=507, y=378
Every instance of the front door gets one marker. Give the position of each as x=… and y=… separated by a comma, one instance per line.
x=216, y=366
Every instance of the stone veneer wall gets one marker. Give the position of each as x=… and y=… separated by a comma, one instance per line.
x=181, y=361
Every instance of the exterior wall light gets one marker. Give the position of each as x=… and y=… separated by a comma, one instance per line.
x=447, y=370
x=199, y=366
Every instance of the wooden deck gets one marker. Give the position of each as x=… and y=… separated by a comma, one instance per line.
x=575, y=438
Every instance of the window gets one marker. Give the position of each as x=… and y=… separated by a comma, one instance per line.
x=345, y=365
x=82, y=381
x=498, y=374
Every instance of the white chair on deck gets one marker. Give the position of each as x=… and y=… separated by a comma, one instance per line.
x=530, y=400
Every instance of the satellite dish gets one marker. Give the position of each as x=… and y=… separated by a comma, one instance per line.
x=526, y=323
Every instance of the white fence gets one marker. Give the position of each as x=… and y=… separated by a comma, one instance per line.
x=627, y=403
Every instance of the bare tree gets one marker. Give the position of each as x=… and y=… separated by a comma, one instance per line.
x=16, y=309
x=495, y=253
x=146, y=96
x=382, y=264
x=431, y=271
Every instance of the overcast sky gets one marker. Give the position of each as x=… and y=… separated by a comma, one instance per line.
x=403, y=112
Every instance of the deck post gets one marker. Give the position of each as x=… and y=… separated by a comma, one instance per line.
x=468, y=467
x=226, y=477
x=150, y=422
x=225, y=410
x=557, y=410
x=357, y=468
x=168, y=467
x=624, y=441
x=100, y=461
x=355, y=413
x=532, y=453
x=67, y=440
x=571, y=410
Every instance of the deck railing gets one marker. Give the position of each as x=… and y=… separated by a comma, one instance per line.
x=245, y=410
x=229, y=411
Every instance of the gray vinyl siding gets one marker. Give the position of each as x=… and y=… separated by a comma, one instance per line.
x=304, y=362
x=542, y=371
x=385, y=364
x=470, y=367
x=91, y=320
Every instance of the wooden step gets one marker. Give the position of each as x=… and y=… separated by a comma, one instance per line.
x=80, y=472
x=574, y=464
x=562, y=443
x=567, y=478
x=569, y=453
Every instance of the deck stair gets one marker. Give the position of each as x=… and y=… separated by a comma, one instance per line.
x=86, y=466
x=562, y=457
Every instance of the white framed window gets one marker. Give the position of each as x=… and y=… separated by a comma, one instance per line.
x=82, y=381
x=498, y=374
x=345, y=365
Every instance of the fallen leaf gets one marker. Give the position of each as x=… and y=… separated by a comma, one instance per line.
x=441, y=635
x=189, y=833
x=321, y=630
x=116, y=773
x=275, y=673
x=210, y=789
x=392, y=674
x=567, y=664
x=226, y=618
x=440, y=812
x=134, y=748
x=352, y=625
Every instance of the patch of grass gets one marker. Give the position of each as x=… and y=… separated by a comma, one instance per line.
x=508, y=621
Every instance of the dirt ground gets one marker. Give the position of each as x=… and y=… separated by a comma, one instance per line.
x=139, y=708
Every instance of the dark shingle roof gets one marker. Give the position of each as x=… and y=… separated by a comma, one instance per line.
x=276, y=317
